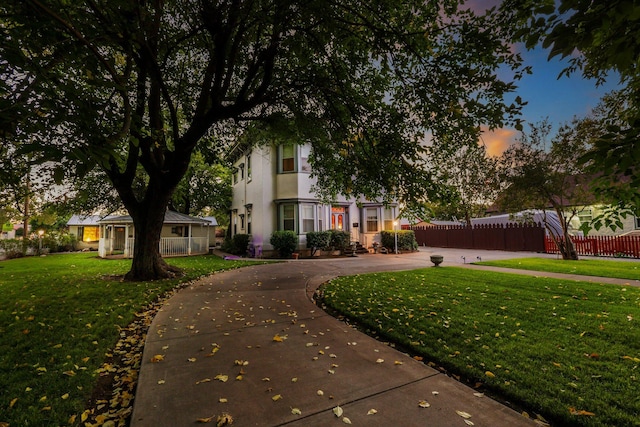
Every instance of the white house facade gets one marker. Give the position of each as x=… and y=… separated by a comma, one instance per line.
x=272, y=191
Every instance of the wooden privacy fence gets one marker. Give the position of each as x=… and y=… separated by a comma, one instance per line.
x=627, y=246
x=505, y=237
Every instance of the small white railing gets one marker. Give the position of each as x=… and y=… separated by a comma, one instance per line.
x=169, y=246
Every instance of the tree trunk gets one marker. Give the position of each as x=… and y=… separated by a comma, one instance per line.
x=147, y=263
x=565, y=243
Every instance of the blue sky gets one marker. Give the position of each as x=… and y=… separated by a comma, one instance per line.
x=559, y=99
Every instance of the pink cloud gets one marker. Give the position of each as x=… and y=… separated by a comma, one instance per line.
x=498, y=140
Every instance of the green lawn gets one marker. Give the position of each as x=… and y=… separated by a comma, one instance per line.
x=589, y=267
x=60, y=319
x=566, y=350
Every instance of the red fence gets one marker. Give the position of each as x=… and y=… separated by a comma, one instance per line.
x=628, y=246
x=510, y=237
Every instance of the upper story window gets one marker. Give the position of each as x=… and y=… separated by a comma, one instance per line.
x=235, y=176
x=287, y=161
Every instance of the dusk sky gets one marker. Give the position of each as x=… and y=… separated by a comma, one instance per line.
x=559, y=99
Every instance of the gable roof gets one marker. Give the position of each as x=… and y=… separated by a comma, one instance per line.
x=84, y=220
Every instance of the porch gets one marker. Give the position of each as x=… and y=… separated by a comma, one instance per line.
x=169, y=246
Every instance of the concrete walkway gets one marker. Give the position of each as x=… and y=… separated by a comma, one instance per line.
x=250, y=343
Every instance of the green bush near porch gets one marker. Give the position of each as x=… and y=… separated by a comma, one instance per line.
x=284, y=242
x=406, y=240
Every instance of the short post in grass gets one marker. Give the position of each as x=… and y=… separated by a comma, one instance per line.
x=437, y=260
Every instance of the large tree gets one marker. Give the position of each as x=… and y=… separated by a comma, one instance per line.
x=542, y=172
x=129, y=84
x=600, y=40
x=472, y=179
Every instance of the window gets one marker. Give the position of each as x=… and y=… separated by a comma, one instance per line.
x=288, y=217
x=585, y=215
x=372, y=219
x=241, y=221
x=249, y=167
x=241, y=171
x=248, y=221
x=234, y=221
x=88, y=234
x=388, y=219
x=638, y=222
x=308, y=218
x=320, y=217
x=235, y=176
x=287, y=158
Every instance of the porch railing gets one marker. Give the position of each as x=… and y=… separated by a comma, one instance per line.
x=169, y=246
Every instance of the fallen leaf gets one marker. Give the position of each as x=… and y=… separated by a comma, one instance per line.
x=163, y=381
x=296, y=411
x=380, y=361
x=346, y=420
x=463, y=414
x=222, y=378
x=468, y=422
x=205, y=380
x=435, y=393
x=224, y=420
x=372, y=412
x=276, y=397
x=320, y=393
x=397, y=362
x=478, y=394
x=424, y=404
x=223, y=400
x=278, y=338
x=204, y=420
x=490, y=374
x=65, y=396
x=337, y=411
x=191, y=359
x=13, y=402
x=157, y=358
x=581, y=412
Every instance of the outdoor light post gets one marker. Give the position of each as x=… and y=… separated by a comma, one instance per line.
x=395, y=229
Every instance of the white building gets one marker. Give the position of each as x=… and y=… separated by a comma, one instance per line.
x=272, y=191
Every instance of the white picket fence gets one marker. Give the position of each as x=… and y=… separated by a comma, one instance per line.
x=169, y=246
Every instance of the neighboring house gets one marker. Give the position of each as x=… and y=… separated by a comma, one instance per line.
x=86, y=230
x=585, y=214
x=181, y=235
x=272, y=191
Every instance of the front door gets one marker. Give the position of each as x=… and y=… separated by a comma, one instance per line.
x=339, y=218
x=118, y=238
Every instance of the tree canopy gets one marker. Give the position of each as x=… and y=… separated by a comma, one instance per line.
x=601, y=40
x=128, y=84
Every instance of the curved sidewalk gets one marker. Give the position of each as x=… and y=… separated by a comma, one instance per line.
x=250, y=343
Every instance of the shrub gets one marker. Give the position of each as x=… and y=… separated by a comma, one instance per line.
x=339, y=239
x=56, y=241
x=318, y=240
x=12, y=248
x=406, y=240
x=285, y=242
x=237, y=245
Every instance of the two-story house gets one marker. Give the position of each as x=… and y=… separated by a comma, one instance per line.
x=272, y=191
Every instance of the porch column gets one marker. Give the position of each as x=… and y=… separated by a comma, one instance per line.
x=127, y=249
x=189, y=240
